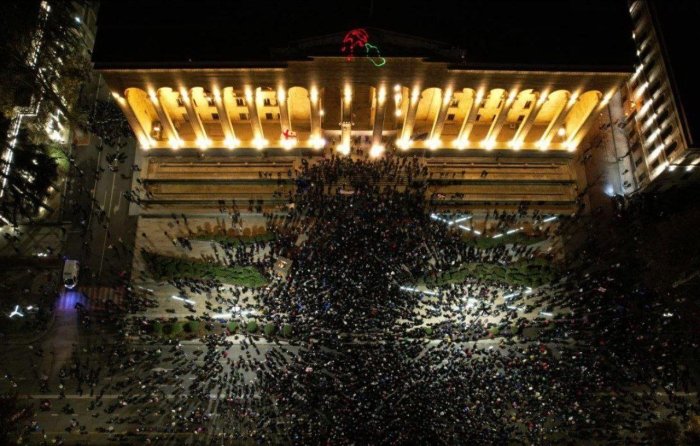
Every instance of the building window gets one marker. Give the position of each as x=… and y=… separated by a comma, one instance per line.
x=667, y=132
x=671, y=148
x=268, y=116
x=451, y=117
x=210, y=101
x=642, y=177
x=240, y=102
x=638, y=161
x=267, y=102
x=454, y=103
x=655, y=164
x=180, y=103
x=243, y=116
x=528, y=104
x=478, y=117
x=520, y=118
x=215, y=116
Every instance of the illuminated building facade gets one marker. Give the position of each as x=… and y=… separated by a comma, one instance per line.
x=502, y=133
x=661, y=122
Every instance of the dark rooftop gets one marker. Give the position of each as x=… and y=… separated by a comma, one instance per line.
x=530, y=34
x=675, y=20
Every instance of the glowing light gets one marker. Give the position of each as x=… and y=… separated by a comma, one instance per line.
x=231, y=142
x=203, y=143
x=542, y=144
x=321, y=113
x=184, y=95
x=415, y=290
x=561, y=131
x=434, y=143
x=317, y=142
x=248, y=95
x=573, y=98
x=175, y=143
x=479, y=96
x=288, y=143
x=415, y=94
x=115, y=95
x=476, y=232
x=347, y=94
x=570, y=146
x=153, y=97
x=182, y=299
x=397, y=87
x=671, y=167
x=548, y=219
x=16, y=312
x=381, y=95
x=516, y=144
x=448, y=97
x=403, y=144
x=488, y=144
x=260, y=142
x=397, y=112
x=313, y=94
x=498, y=235
x=344, y=149
x=461, y=144
x=281, y=95
x=512, y=231
x=377, y=63
x=376, y=151
x=355, y=38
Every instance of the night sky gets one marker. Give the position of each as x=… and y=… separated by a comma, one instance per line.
x=565, y=33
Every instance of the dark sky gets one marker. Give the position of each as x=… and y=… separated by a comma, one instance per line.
x=528, y=33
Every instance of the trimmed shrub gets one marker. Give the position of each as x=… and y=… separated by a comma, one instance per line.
x=428, y=331
x=232, y=326
x=252, y=327
x=270, y=329
x=287, y=330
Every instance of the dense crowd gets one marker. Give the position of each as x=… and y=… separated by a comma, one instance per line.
x=373, y=361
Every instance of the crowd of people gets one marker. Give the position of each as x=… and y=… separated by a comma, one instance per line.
x=375, y=357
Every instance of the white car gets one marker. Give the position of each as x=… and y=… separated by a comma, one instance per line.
x=70, y=273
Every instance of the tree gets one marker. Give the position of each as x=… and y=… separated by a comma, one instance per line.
x=44, y=56
x=107, y=121
x=27, y=180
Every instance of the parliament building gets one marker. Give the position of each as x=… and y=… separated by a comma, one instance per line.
x=493, y=135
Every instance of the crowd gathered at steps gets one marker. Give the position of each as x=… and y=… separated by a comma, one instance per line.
x=360, y=368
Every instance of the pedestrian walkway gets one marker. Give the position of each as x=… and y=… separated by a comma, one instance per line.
x=100, y=298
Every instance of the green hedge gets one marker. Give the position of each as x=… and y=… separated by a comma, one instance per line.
x=512, y=239
x=287, y=330
x=234, y=239
x=164, y=267
x=532, y=273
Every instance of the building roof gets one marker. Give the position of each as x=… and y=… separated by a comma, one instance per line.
x=534, y=34
x=673, y=22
